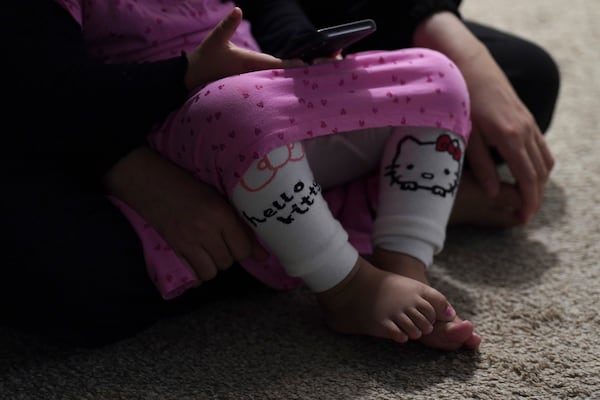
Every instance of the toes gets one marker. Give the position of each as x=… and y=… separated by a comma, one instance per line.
x=392, y=331
x=443, y=309
x=473, y=342
x=452, y=336
x=424, y=307
x=459, y=331
x=421, y=321
x=408, y=326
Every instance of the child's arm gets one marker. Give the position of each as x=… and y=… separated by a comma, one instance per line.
x=278, y=25
x=216, y=57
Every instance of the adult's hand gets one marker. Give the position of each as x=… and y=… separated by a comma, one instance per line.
x=195, y=220
x=217, y=57
x=500, y=119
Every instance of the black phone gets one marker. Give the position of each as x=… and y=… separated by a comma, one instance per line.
x=332, y=39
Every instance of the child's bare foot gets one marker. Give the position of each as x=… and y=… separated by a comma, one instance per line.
x=452, y=336
x=474, y=207
x=447, y=334
x=378, y=303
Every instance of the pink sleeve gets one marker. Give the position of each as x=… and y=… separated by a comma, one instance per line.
x=74, y=8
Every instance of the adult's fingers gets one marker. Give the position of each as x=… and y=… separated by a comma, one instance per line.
x=540, y=166
x=201, y=263
x=482, y=165
x=238, y=243
x=546, y=155
x=545, y=151
x=524, y=172
x=242, y=243
x=219, y=251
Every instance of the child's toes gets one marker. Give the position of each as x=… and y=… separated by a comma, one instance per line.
x=473, y=342
x=393, y=332
x=422, y=322
x=408, y=326
x=449, y=335
x=443, y=309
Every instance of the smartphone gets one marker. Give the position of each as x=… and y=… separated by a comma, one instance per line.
x=333, y=39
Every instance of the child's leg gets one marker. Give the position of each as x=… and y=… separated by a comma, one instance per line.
x=279, y=199
x=358, y=153
x=420, y=174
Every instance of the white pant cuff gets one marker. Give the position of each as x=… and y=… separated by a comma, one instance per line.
x=333, y=271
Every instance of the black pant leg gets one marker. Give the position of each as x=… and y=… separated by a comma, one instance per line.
x=73, y=265
x=531, y=70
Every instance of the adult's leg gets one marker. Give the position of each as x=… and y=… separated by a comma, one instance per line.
x=73, y=266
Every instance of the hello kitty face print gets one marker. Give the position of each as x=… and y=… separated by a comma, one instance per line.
x=420, y=165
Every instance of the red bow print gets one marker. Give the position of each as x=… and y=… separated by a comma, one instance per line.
x=444, y=143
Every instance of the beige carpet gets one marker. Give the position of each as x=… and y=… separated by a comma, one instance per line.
x=534, y=293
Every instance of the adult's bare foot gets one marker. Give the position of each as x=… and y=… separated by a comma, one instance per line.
x=473, y=206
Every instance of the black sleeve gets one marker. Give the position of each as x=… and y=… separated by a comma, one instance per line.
x=276, y=23
x=418, y=10
x=67, y=103
x=396, y=28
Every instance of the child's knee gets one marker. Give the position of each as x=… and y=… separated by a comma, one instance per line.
x=445, y=94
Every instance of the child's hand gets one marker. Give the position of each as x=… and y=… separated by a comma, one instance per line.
x=217, y=57
x=335, y=57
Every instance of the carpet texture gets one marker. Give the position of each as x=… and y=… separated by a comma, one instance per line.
x=533, y=292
